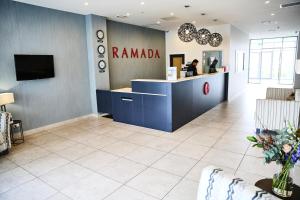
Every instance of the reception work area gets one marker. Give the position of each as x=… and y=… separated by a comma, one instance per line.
x=164, y=104
x=149, y=100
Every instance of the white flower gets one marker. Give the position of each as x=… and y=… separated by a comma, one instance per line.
x=286, y=148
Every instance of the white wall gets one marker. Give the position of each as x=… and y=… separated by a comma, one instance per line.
x=239, y=41
x=233, y=40
x=193, y=50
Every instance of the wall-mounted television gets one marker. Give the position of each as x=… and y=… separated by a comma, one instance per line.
x=31, y=67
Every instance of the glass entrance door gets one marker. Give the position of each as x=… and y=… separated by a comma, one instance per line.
x=272, y=60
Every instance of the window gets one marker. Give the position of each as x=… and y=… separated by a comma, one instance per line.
x=273, y=60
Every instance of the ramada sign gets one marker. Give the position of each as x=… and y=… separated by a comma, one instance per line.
x=135, y=53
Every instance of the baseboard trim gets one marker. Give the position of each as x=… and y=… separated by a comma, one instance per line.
x=54, y=125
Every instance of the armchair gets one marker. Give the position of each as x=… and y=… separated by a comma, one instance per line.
x=5, y=142
x=274, y=111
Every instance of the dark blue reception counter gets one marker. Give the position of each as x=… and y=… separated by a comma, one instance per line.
x=164, y=105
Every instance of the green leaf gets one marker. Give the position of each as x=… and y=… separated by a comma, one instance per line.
x=251, y=138
x=257, y=145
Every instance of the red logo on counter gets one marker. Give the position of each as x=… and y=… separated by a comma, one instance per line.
x=206, y=88
x=135, y=53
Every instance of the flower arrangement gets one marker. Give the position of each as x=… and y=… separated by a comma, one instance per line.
x=282, y=147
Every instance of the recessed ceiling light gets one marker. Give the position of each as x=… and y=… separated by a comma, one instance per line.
x=142, y=3
x=272, y=14
x=172, y=14
x=86, y=3
x=203, y=14
x=194, y=22
x=127, y=14
x=158, y=22
x=187, y=6
x=267, y=2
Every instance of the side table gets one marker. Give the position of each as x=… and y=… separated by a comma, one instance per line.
x=15, y=125
x=266, y=184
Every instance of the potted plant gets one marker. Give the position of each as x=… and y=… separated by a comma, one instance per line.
x=282, y=147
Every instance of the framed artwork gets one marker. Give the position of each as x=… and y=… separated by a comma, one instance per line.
x=239, y=61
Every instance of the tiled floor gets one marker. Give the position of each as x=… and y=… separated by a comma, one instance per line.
x=100, y=159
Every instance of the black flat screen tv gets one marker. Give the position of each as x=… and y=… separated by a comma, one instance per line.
x=31, y=67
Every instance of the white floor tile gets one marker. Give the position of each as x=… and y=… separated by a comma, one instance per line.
x=178, y=165
x=122, y=170
x=92, y=187
x=126, y=193
x=185, y=190
x=61, y=177
x=154, y=182
x=96, y=160
x=33, y=190
x=13, y=178
x=45, y=164
x=145, y=155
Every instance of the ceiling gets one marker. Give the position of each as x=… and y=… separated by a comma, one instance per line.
x=251, y=16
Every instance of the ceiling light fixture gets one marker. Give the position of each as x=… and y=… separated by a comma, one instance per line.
x=272, y=14
x=127, y=14
x=158, y=22
x=172, y=14
x=203, y=14
x=187, y=6
x=142, y=3
x=267, y=2
x=215, y=20
x=86, y=3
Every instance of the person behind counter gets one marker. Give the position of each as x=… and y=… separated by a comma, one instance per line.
x=192, y=68
x=212, y=67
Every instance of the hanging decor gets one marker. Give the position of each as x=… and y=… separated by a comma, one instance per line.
x=187, y=32
x=203, y=36
x=215, y=39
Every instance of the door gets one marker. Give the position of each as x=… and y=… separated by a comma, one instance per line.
x=176, y=60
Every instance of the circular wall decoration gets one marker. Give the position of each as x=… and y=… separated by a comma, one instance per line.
x=101, y=49
x=101, y=66
x=206, y=88
x=215, y=39
x=100, y=34
x=187, y=32
x=203, y=36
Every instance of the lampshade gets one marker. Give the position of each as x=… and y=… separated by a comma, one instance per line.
x=6, y=98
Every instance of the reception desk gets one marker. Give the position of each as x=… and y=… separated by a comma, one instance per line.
x=164, y=105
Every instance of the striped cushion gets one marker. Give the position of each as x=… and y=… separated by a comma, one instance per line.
x=216, y=185
x=273, y=114
x=279, y=93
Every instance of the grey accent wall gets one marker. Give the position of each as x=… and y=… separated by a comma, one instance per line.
x=27, y=29
x=97, y=80
x=129, y=36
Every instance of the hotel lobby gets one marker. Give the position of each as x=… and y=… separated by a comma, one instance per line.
x=149, y=100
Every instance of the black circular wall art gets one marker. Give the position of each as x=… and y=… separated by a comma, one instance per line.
x=100, y=34
x=187, y=32
x=215, y=39
x=101, y=49
x=203, y=36
x=101, y=65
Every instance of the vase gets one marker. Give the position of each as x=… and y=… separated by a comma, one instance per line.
x=282, y=184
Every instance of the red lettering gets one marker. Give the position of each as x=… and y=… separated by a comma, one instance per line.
x=115, y=52
x=134, y=54
x=150, y=53
x=143, y=53
x=124, y=53
x=157, y=54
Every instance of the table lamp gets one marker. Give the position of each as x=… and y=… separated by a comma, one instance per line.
x=6, y=98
